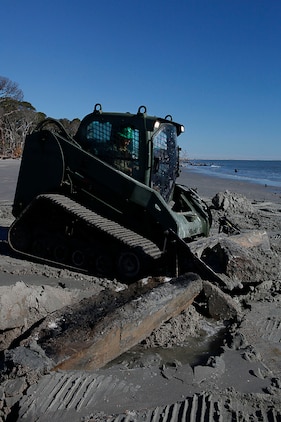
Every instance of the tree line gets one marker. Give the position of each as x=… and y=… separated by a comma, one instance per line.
x=18, y=118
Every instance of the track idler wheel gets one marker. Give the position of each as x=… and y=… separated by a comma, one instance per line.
x=129, y=265
x=78, y=258
x=104, y=263
x=60, y=250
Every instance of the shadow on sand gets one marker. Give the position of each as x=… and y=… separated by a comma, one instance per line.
x=4, y=246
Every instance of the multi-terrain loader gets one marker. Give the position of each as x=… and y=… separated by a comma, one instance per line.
x=105, y=201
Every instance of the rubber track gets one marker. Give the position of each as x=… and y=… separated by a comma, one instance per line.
x=123, y=235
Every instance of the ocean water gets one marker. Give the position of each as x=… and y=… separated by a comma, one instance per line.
x=267, y=173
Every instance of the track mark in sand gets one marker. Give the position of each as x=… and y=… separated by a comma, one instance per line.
x=270, y=329
x=266, y=318
x=205, y=407
x=57, y=393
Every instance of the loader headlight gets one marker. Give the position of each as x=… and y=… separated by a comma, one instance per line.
x=182, y=128
x=156, y=124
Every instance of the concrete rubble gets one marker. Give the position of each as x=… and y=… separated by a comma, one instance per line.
x=63, y=339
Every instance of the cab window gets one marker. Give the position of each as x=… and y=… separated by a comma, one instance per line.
x=117, y=146
x=164, y=165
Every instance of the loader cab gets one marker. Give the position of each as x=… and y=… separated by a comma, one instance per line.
x=116, y=144
x=142, y=147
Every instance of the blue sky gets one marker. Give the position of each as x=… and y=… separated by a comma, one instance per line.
x=214, y=65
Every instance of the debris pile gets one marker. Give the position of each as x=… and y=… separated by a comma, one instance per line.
x=51, y=319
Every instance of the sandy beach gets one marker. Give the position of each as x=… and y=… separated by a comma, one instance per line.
x=218, y=360
x=208, y=186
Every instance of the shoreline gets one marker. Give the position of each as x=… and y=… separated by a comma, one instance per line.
x=208, y=186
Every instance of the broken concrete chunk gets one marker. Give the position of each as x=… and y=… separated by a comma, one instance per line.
x=232, y=201
x=229, y=258
x=22, y=305
x=252, y=238
x=247, y=240
x=220, y=305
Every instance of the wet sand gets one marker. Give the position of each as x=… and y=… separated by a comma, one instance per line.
x=208, y=186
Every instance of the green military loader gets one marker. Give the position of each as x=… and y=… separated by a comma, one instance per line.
x=106, y=201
